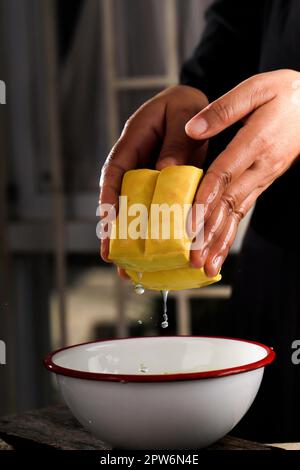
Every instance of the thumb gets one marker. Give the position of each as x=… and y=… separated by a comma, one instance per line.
x=230, y=108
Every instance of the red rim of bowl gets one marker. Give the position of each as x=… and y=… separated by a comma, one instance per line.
x=52, y=367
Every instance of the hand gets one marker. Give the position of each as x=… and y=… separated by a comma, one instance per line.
x=262, y=150
x=153, y=137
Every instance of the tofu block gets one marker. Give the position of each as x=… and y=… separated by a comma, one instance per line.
x=175, y=187
x=153, y=240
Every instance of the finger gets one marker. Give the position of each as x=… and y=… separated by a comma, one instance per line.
x=104, y=250
x=231, y=202
x=212, y=229
x=239, y=155
x=177, y=147
x=107, y=216
x=217, y=256
x=231, y=107
x=122, y=273
x=220, y=248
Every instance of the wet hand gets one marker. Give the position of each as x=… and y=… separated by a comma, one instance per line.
x=153, y=137
x=262, y=150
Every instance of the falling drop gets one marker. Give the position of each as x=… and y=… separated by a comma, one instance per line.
x=165, y=298
x=165, y=323
x=140, y=322
x=139, y=289
x=139, y=276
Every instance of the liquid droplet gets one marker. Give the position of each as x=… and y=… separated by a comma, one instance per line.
x=143, y=368
x=139, y=276
x=165, y=299
x=139, y=289
x=165, y=323
x=140, y=322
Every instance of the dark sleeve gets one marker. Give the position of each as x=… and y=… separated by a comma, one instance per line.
x=229, y=49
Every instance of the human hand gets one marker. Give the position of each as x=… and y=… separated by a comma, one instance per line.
x=262, y=150
x=153, y=137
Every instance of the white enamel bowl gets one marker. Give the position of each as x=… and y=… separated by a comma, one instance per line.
x=195, y=390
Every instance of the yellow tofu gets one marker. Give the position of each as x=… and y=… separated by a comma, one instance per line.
x=175, y=187
x=138, y=186
x=174, y=279
x=140, y=241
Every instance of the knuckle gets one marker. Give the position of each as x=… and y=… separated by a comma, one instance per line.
x=257, y=81
x=239, y=214
x=110, y=171
x=265, y=144
x=229, y=202
x=128, y=124
x=271, y=166
x=222, y=111
x=112, y=156
x=134, y=121
x=223, y=177
x=106, y=169
x=275, y=168
x=264, y=141
x=265, y=178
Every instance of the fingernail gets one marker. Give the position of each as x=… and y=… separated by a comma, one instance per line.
x=195, y=233
x=194, y=221
x=217, y=263
x=197, y=126
x=199, y=225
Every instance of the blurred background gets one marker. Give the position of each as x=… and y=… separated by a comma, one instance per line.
x=74, y=72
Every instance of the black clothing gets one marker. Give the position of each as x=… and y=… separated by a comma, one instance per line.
x=243, y=38
x=265, y=307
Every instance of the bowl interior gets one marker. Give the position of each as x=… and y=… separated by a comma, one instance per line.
x=160, y=355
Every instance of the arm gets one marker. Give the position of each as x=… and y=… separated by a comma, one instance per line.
x=229, y=50
x=154, y=136
x=228, y=53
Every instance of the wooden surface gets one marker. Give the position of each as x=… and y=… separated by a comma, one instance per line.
x=55, y=428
